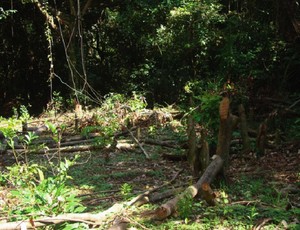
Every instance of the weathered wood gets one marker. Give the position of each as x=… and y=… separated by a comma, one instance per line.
x=169, y=144
x=225, y=136
x=89, y=218
x=168, y=208
x=261, y=139
x=158, y=196
x=207, y=194
x=204, y=153
x=192, y=153
x=144, y=196
x=244, y=130
x=62, y=149
x=139, y=144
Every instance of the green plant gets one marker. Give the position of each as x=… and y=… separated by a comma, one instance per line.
x=185, y=206
x=126, y=190
x=205, y=96
x=10, y=135
x=137, y=101
x=6, y=13
x=56, y=103
x=57, y=132
x=253, y=213
x=152, y=130
x=21, y=176
x=25, y=116
x=85, y=132
x=40, y=195
x=27, y=143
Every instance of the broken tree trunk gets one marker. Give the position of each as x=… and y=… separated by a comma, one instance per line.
x=261, y=139
x=227, y=124
x=168, y=208
x=244, y=130
x=204, y=153
x=192, y=153
x=198, y=150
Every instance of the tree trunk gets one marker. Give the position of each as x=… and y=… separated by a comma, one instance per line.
x=193, y=151
x=244, y=130
x=170, y=207
x=227, y=123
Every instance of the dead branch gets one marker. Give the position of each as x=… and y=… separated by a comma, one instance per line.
x=52, y=144
x=119, y=223
x=158, y=196
x=89, y=218
x=295, y=103
x=79, y=148
x=146, y=194
x=139, y=144
x=169, y=144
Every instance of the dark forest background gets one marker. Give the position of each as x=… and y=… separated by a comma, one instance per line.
x=84, y=50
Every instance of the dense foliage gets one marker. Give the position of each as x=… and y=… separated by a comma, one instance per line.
x=86, y=51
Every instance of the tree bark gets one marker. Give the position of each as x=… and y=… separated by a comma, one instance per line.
x=227, y=124
x=89, y=218
x=244, y=130
x=170, y=207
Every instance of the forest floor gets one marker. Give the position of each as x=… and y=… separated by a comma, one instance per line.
x=258, y=193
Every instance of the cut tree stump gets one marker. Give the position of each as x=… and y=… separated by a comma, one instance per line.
x=244, y=130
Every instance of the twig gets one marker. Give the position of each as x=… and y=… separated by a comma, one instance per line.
x=134, y=200
x=261, y=225
x=295, y=103
x=136, y=223
x=245, y=202
x=139, y=144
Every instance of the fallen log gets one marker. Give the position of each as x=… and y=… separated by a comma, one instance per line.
x=169, y=144
x=88, y=218
x=79, y=148
x=52, y=144
x=170, y=207
x=142, y=197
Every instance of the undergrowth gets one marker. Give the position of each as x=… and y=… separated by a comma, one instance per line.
x=43, y=186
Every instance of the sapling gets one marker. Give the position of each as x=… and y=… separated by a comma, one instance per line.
x=56, y=135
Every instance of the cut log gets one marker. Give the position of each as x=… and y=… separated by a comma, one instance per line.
x=96, y=219
x=88, y=218
x=169, y=144
x=207, y=194
x=62, y=149
x=170, y=207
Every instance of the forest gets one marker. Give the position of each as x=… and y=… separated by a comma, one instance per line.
x=162, y=114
